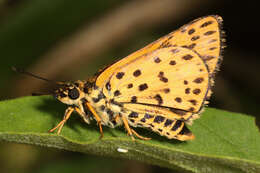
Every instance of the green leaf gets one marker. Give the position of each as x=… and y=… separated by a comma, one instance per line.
x=225, y=141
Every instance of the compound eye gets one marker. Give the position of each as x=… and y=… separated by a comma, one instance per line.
x=73, y=93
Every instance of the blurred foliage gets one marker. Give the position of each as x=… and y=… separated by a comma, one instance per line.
x=30, y=29
x=37, y=25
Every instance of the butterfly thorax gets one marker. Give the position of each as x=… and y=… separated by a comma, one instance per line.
x=106, y=108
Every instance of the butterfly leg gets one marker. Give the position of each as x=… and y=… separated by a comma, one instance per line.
x=98, y=119
x=139, y=136
x=131, y=132
x=67, y=114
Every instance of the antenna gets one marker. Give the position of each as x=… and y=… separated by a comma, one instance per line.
x=30, y=74
x=39, y=94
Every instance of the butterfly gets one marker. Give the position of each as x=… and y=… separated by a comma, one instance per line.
x=162, y=87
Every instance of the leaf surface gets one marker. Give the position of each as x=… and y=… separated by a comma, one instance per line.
x=225, y=141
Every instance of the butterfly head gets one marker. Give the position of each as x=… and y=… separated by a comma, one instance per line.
x=67, y=92
x=70, y=92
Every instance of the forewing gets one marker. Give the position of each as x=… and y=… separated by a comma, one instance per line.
x=202, y=35
x=173, y=77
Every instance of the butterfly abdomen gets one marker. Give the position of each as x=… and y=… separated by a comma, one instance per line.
x=171, y=128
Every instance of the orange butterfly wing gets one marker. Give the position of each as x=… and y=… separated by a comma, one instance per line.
x=172, y=77
x=202, y=35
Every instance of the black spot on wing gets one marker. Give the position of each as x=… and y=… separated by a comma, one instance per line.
x=178, y=111
x=143, y=120
x=187, y=91
x=133, y=115
x=194, y=38
x=117, y=93
x=148, y=116
x=194, y=102
x=108, y=86
x=176, y=125
x=120, y=75
x=166, y=90
x=208, y=57
x=172, y=62
x=162, y=77
x=191, y=31
x=157, y=60
x=175, y=51
x=132, y=120
x=137, y=73
x=191, y=46
x=178, y=99
x=143, y=87
x=130, y=85
x=209, y=33
x=168, y=122
x=187, y=57
x=158, y=98
x=212, y=48
x=206, y=24
x=198, y=80
x=133, y=99
x=159, y=119
x=196, y=91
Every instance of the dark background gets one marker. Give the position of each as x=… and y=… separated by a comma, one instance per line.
x=70, y=40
